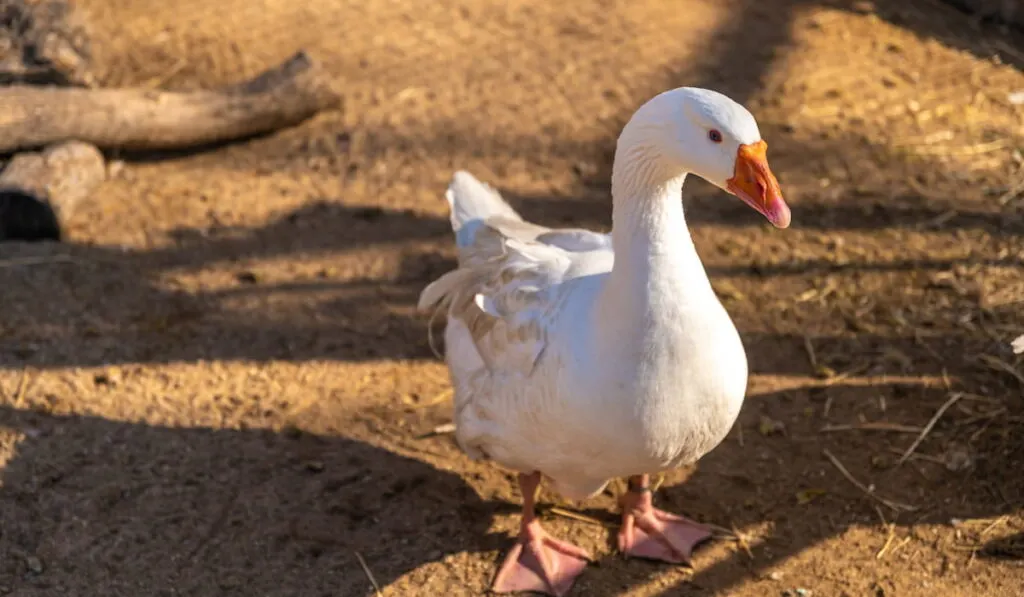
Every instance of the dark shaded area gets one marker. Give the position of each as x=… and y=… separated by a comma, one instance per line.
x=1004, y=548
x=958, y=25
x=24, y=217
x=997, y=12
x=297, y=506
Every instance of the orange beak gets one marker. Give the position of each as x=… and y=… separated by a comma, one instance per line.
x=754, y=183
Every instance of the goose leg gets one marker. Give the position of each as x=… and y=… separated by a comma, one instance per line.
x=538, y=562
x=654, y=534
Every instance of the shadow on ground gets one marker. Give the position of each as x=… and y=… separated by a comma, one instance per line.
x=104, y=503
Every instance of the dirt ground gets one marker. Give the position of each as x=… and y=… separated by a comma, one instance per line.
x=220, y=386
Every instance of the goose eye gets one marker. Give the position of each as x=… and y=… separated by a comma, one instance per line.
x=715, y=136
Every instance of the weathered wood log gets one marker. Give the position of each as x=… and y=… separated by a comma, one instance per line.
x=38, y=191
x=139, y=119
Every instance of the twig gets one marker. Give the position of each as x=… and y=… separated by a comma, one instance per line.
x=983, y=416
x=888, y=541
x=811, y=355
x=1011, y=193
x=927, y=428
x=1001, y=365
x=741, y=540
x=842, y=469
x=946, y=382
x=576, y=516
x=994, y=524
x=439, y=430
x=22, y=384
x=159, y=80
x=445, y=395
x=875, y=426
x=900, y=545
x=881, y=516
x=722, y=531
x=6, y=263
x=980, y=398
x=925, y=457
x=369, y=575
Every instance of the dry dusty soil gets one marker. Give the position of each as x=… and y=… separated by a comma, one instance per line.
x=220, y=385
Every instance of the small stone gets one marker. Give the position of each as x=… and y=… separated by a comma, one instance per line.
x=114, y=168
x=314, y=466
x=34, y=564
x=584, y=169
x=958, y=458
x=775, y=575
x=105, y=378
x=1018, y=345
x=769, y=426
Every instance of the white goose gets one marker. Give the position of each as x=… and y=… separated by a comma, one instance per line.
x=583, y=356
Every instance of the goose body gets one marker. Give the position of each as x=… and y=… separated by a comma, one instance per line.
x=583, y=356
x=561, y=367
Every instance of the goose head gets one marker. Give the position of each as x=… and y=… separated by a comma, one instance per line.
x=698, y=131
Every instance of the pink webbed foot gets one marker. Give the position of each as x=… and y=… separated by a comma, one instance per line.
x=538, y=562
x=655, y=534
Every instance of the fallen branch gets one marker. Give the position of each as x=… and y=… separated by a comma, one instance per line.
x=38, y=191
x=140, y=119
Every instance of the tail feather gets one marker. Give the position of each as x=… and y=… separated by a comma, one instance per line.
x=473, y=201
x=480, y=219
